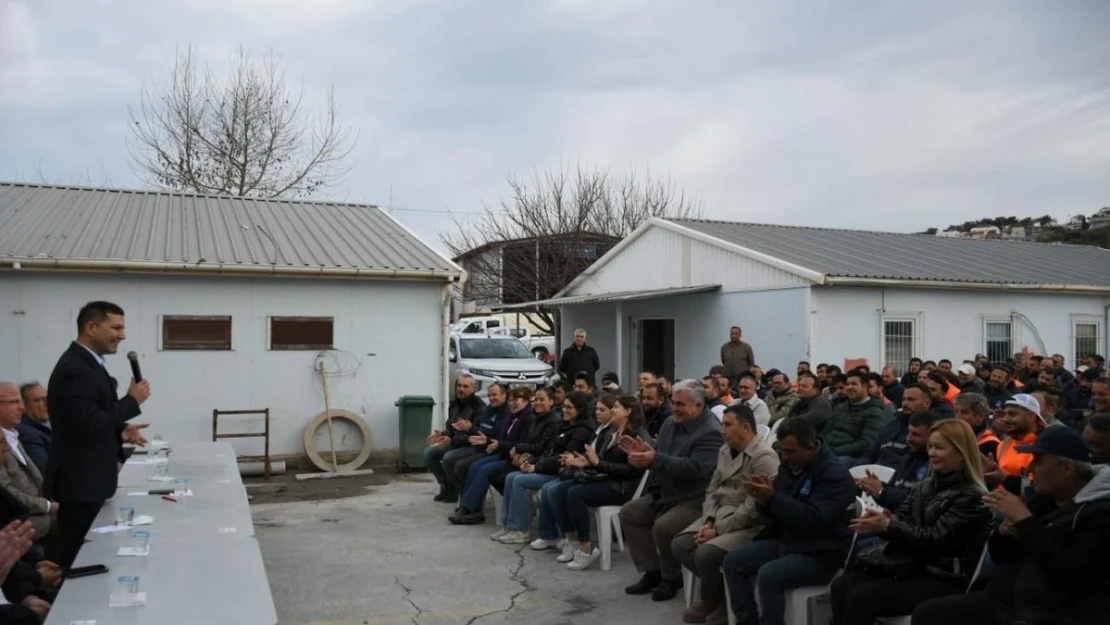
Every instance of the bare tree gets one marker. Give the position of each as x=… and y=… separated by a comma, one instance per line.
x=245, y=134
x=548, y=229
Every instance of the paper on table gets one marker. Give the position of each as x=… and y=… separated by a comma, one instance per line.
x=118, y=602
x=142, y=519
x=90, y=621
x=133, y=552
x=160, y=478
x=144, y=493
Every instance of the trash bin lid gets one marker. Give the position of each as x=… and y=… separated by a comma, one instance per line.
x=415, y=400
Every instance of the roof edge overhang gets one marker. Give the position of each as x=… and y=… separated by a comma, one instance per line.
x=278, y=271
x=1085, y=289
x=624, y=296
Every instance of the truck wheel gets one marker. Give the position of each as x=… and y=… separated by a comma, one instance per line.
x=539, y=353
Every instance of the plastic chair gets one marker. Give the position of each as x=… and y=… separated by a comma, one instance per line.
x=763, y=431
x=608, y=524
x=883, y=473
x=690, y=585
x=812, y=604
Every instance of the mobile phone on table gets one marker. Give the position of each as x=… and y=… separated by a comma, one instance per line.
x=85, y=571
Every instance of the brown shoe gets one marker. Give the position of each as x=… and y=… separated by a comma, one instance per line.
x=718, y=616
x=695, y=613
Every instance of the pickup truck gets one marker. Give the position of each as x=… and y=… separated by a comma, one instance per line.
x=541, y=346
x=500, y=359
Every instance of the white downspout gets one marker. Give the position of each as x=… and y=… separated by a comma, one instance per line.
x=440, y=416
x=620, y=341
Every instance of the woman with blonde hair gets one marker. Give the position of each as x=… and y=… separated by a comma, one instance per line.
x=931, y=544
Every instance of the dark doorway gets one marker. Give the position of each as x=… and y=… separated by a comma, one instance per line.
x=655, y=346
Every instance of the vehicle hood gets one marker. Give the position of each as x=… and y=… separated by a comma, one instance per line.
x=529, y=365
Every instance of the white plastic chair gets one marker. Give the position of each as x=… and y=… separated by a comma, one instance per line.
x=763, y=431
x=883, y=473
x=608, y=524
x=690, y=584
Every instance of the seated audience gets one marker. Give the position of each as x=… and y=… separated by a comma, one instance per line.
x=999, y=387
x=600, y=477
x=460, y=414
x=969, y=381
x=657, y=407
x=712, y=387
x=584, y=386
x=1051, y=550
x=729, y=518
x=681, y=466
x=972, y=408
x=890, y=445
x=1019, y=422
x=20, y=605
x=610, y=383
x=1097, y=434
x=575, y=431
x=912, y=467
x=931, y=544
x=749, y=398
x=856, y=422
x=808, y=505
x=875, y=390
x=483, y=428
x=34, y=428
x=940, y=389
x=645, y=379
x=892, y=386
x=812, y=405
x=498, y=457
x=781, y=397
x=18, y=474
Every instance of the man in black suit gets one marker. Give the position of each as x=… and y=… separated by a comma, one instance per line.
x=90, y=425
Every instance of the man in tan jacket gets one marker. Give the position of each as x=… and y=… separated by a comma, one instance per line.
x=729, y=517
x=18, y=474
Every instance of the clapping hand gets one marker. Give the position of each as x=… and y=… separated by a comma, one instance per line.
x=133, y=434
x=870, y=484
x=761, y=487
x=706, y=533
x=630, y=445
x=591, y=456
x=461, y=425
x=478, y=440
x=576, y=461
x=493, y=445
x=872, y=522
x=1007, y=504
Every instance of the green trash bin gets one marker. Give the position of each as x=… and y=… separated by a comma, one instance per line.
x=414, y=413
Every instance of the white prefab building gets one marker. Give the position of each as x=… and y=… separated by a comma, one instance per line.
x=232, y=304
x=665, y=297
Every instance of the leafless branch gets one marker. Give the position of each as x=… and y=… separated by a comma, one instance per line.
x=246, y=134
x=556, y=223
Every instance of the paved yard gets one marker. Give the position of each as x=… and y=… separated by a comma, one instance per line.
x=388, y=556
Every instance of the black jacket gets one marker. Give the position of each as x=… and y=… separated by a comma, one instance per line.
x=1056, y=573
x=894, y=393
x=35, y=438
x=996, y=397
x=685, y=459
x=656, y=419
x=88, y=417
x=810, y=510
x=943, y=525
x=890, y=446
x=817, y=410
x=469, y=409
x=574, y=360
x=571, y=437
x=976, y=385
x=911, y=469
x=488, y=422
x=614, y=463
x=538, y=434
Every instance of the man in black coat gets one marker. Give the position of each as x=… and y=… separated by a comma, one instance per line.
x=579, y=358
x=90, y=426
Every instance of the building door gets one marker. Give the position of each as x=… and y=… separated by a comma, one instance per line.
x=655, y=346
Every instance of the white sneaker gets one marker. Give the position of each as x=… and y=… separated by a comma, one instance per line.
x=541, y=544
x=569, y=549
x=582, y=560
x=515, y=538
x=501, y=531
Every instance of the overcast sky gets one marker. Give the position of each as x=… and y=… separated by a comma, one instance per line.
x=869, y=115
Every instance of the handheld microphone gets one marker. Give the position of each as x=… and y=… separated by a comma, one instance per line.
x=135, y=372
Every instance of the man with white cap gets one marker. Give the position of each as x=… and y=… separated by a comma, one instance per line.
x=969, y=381
x=1020, y=422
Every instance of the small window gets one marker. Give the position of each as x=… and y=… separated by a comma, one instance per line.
x=196, y=333
x=999, y=343
x=901, y=338
x=301, y=333
x=1086, y=336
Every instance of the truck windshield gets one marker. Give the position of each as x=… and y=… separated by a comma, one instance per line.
x=493, y=348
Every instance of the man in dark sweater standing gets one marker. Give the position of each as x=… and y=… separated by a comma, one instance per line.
x=579, y=358
x=681, y=465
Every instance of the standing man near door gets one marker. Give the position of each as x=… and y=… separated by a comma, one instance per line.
x=90, y=425
x=579, y=358
x=736, y=355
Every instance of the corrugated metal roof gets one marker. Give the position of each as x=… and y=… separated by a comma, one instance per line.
x=888, y=255
x=162, y=229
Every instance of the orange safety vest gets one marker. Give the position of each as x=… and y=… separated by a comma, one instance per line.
x=1011, y=462
x=953, y=391
x=987, y=436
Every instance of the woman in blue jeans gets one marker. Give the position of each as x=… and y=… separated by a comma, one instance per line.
x=602, y=477
x=498, y=449
x=573, y=435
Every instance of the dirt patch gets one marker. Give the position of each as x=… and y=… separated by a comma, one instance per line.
x=285, y=488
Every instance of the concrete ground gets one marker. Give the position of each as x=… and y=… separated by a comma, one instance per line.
x=388, y=556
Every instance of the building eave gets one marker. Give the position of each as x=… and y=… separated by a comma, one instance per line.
x=1087, y=289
